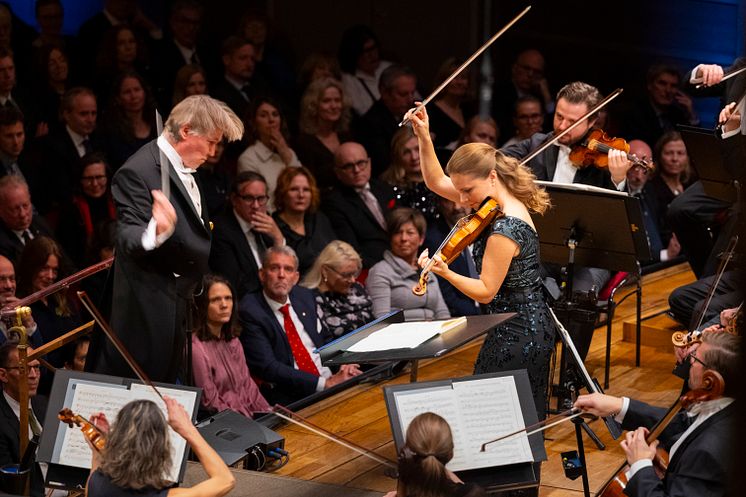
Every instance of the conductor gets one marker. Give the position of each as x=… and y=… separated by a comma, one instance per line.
x=163, y=244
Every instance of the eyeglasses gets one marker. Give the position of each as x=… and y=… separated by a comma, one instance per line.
x=360, y=164
x=345, y=276
x=250, y=199
x=692, y=355
x=36, y=368
x=91, y=179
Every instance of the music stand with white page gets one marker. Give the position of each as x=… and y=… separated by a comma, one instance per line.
x=64, y=448
x=478, y=409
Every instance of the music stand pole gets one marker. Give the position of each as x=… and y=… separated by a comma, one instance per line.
x=578, y=422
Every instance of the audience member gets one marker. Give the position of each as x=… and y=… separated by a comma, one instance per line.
x=243, y=233
x=239, y=86
x=437, y=231
x=324, y=125
x=75, y=354
x=318, y=65
x=345, y=304
x=281, y=329
x=377, y=126
x=405, y=176
x=8, y=299
x=268, y=153
x=450, y=110
x=10, y=452
x=121, y=51
x=362, y=67
x=480, y=130
x=428, y=447
x=662, y=108
x=189, y=80
x=391, y=280
x=19, y=222
x=12, y=142
x=357, y=206
x=53, y=81
x=528, y=119
x=215, y=181
x=527, y=78
x=130, y=118
x=11, y=93
x=305, y=228
x=218, y=361
x=673, y=172
x=50, y=16
x=91, y=206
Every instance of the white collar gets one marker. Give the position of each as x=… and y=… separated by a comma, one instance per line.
x=14, y=404
x=173, y=156
x=245, y=225
x=273, y=304
x=233, y=81
x=366, y=186
x=77, y=138
x=709, y=407
x=263, y=152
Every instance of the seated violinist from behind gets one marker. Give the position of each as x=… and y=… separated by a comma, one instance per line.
x=698, y=440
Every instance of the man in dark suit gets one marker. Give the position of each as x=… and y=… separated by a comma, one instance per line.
x=243, y=233
x=281, y=329
x=238, y=87
x=163, y=244
x=376, y=128
x=12, y=96
x=13, y=160
x=357, y=206
x=10, y=452
x=696, y=440
x=18, y=223
x=8, y=298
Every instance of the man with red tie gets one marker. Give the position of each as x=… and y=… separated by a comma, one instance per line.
x=281, y=329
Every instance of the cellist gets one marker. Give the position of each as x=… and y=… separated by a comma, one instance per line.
x=698, y=440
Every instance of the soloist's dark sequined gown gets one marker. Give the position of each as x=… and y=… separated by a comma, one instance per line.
x=527, y=340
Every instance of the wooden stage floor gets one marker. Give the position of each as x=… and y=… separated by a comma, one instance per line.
x=360, y=415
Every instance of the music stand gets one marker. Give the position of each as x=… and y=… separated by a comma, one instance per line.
x=710, y=157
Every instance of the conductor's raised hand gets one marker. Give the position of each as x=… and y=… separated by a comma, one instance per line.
x=163, y=213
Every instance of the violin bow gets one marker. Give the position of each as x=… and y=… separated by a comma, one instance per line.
x=727, y=256
x=463, y=66
x=726, y=77
x=288, y=415
x=574, y=125
x=88, y=304
x=541, y=425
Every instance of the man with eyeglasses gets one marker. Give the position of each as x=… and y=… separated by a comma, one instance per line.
x=528, y=119
x=698, y=440
x=10, y=410
x=8, y=298
x=243, y=233
x=357, y=205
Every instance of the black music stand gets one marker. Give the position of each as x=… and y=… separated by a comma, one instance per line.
x=711, y=158
x=336, y=353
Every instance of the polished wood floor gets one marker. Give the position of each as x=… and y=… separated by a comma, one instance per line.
x=359, y=413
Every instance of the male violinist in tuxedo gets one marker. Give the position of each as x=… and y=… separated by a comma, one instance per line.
x=698, y=440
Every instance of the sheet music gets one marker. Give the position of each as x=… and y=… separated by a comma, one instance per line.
x=477, y=411
x=187, y=399
x=88, y=400
x=404, y=335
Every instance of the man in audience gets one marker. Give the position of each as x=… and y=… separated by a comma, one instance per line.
x=18, y=222
x=243, y=233
x=238, y=87
x=10, y=452
x=11, y=95
x=377, y=127
x=357, y=205
x=281, y=329
x=8, y=298
x=12, y=141
x=528, y=119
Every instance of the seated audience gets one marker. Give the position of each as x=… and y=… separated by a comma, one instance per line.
x=121, y=51
x=91, y=206
x=243, y=233
x=428, y=447
x=318, y=65
x=189, y=80
x=306, y=229
x=18, y=222
x=18, y=96
x=390, y=281
x=75, y=353
x=528, y=119
x=8, y=298
x=362, y=66
x=450, y=110
x=358, y=204
x=281, y=329
x=324, y=124
x=218, y=361
x=673, y=172
x=480, y=130
x=130, y=118
x=345, y=304
x=140, y=433
x=239, y=86
x=269, y=152
x=405, y=176
x=214, y=177
x=54, y=81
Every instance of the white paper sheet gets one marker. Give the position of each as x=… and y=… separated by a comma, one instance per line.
x=404, y=335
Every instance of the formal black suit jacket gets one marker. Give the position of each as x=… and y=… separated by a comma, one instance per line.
x=235, y=98
x=149, y=300
x=545, y=164
x=355, y=224
x=11, y=247
x=170, y=60
x=700, y=466
x=267, y=349
x=374, y=130
x=10, y=452
x=231, y=257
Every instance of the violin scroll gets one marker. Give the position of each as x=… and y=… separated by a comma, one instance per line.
x=90, y=432
x=713, y=387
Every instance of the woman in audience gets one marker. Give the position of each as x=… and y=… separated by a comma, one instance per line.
x=449, y=112
x=54, y=72
x=673, y=175
x=137, y=457
x=269, y=152
x=324, y=123
x=129, y=121
x=405, y=176
x=218, y=359
x=428, y=447
x=121, y=51
x=390, y=281
x=361, y=66
x=91, y=207
x=306, y=229
x=190, y=80
x=345, y=304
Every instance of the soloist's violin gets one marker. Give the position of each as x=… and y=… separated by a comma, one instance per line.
x=593, y=150
x=90, y=432
x=463, y=234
